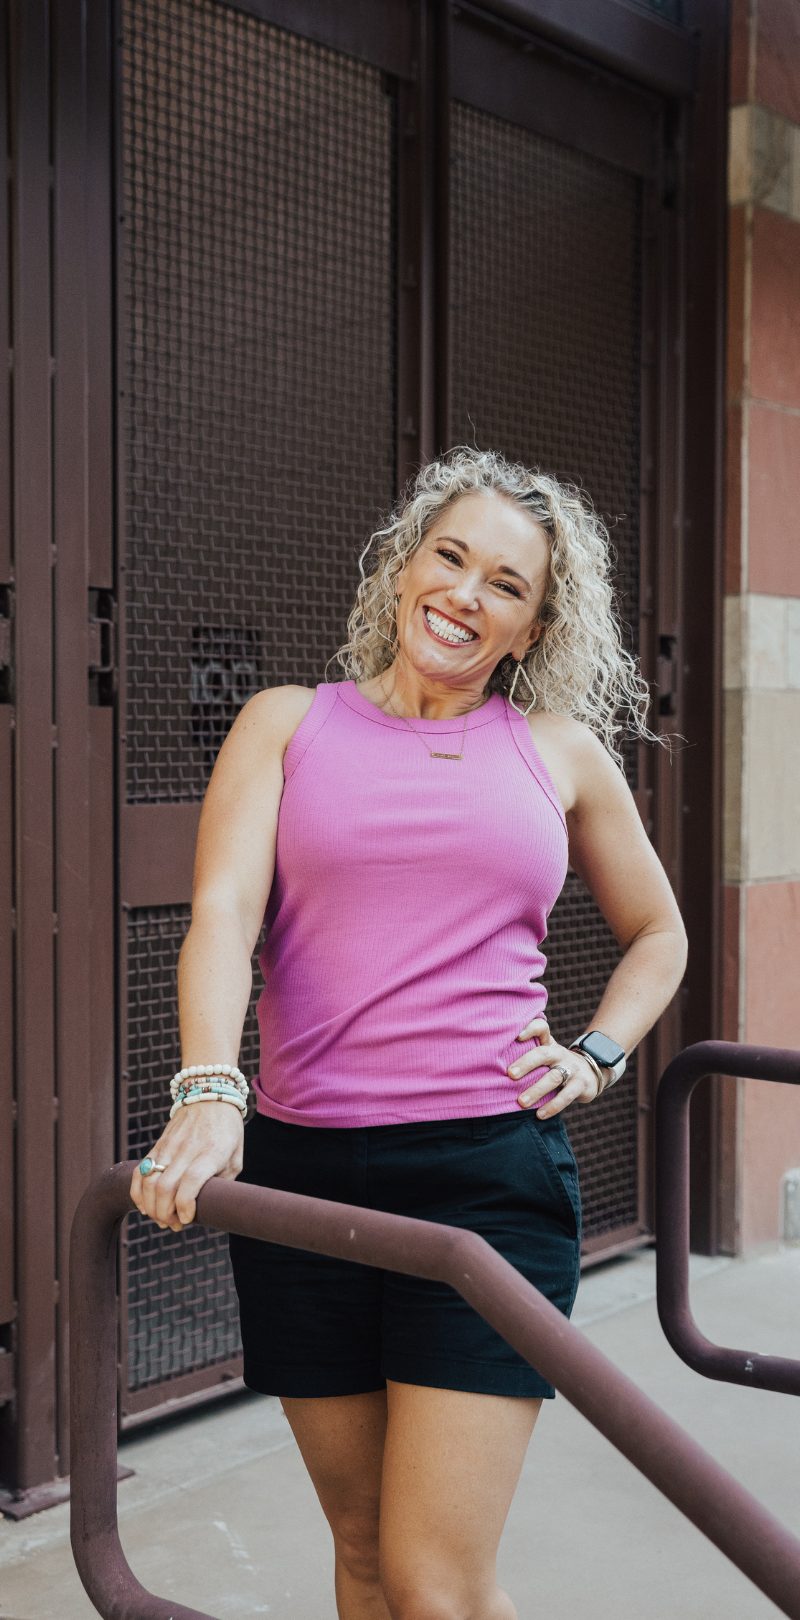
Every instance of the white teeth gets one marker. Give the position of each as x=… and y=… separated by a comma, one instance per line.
x=446, y=630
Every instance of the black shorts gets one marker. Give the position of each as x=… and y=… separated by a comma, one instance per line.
x=316, y=1326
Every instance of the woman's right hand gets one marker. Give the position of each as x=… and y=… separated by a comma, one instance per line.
x=203, y=1140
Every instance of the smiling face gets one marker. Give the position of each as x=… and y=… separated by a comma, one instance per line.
x=471, y=592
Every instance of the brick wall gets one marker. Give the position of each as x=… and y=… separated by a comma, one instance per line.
x=761, y=1124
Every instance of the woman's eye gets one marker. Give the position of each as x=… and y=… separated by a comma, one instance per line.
x=503, y=585
x=450, y=555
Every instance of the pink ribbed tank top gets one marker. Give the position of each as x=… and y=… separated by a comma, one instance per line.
x=403, y=952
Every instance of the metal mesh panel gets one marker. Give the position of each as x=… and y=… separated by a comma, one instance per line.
x=581, y=954
x=545, y=334
x=258, y=276
x=182, y=1310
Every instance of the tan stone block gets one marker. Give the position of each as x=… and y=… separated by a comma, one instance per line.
x=732, y=792
x=770, y=835
x=793, y=643
x=765, y=664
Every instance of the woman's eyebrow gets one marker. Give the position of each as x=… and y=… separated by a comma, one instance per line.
x=502, y=568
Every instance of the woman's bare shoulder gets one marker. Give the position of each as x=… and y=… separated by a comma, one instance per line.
x=575, y=757
x=275, y=713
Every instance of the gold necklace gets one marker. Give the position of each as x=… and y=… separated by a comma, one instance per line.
x=434, y=753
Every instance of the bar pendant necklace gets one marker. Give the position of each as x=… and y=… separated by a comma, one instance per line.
x=434, y=753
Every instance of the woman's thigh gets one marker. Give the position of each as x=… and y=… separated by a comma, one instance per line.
x=341, y=1440
x=450, y=1468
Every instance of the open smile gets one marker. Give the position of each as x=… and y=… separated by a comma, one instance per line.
x=449, y=630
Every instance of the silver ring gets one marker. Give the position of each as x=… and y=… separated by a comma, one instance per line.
x=563, y=1071
x=148, y=1166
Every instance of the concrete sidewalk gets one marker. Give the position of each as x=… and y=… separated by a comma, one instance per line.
x=220, y=1513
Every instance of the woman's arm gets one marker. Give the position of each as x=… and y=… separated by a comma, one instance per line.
x=232, y=879
x=611, y=852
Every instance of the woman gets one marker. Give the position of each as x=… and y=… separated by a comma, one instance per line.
x=407, y=833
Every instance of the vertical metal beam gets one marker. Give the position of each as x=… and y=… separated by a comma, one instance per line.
x=33, y=559
x=702, y=585
x=423, y=233
x=71, y=654
x=7, y=1301
x=99, y=180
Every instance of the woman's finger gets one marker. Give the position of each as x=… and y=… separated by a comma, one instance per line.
x=539, y=1057
x=537, y=1026
x=568, y=1093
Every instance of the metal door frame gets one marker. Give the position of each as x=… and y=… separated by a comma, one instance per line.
x=58, y=69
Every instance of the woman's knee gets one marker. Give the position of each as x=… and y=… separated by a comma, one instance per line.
x=355, y=1535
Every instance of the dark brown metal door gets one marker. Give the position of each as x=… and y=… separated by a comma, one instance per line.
x=257, y=349
x=554, y=189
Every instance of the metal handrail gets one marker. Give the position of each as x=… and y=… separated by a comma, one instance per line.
x=715, y=1502
x=678, y=1081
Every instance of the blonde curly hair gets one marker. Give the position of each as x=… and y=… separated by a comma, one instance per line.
x=579, y=665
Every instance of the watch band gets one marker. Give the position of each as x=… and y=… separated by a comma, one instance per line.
x=587, y=1057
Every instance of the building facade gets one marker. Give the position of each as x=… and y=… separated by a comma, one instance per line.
x=260, y=260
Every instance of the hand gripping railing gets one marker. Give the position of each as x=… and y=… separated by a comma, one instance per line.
x=687, y=1476
x=672, y=1210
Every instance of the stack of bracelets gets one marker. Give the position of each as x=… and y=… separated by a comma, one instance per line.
x=212, y=1082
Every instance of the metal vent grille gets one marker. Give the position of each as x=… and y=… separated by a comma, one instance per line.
x=257, y=255
x=182, y=1310
x=545, y=335
x=545, y=318
x=581, y=954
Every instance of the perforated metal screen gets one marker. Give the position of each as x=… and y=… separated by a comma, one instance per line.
x=545, y=342
x=259, y=302
x=182, y=1311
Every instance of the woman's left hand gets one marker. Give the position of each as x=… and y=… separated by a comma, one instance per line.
x=581, y=1086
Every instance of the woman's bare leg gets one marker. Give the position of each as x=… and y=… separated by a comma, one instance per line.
x=341, y=1440
x=451, y=1466
x=416, y=1504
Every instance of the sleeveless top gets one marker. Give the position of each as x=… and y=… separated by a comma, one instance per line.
x=408, y=908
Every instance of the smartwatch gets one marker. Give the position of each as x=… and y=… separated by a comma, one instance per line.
x=604, y=1053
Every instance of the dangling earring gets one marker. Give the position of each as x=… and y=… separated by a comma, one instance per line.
x=514, y=705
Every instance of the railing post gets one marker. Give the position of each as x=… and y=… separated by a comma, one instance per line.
x=678, y=1081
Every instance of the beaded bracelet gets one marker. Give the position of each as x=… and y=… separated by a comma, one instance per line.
x=199, y=1071
x=195, y=1095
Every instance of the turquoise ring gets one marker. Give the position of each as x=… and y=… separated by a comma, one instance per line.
x=147, y=1167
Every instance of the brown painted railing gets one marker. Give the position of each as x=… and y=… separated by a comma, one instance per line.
x=721, y=1508
x=672, y=1210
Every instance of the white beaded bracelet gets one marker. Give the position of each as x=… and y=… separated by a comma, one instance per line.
x=208, y=1070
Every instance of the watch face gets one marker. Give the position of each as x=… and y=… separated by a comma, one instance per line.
x=604, y=1051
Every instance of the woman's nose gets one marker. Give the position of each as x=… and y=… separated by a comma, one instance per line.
x=465, y=592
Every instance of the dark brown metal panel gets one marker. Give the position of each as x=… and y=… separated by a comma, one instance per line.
x=257, y=392
x=72, y=316
x=101, y=937
x=98, y=202
x=375, y=31
x=647, y=48
x=551, y=365
x=702, y=587
x=157, y=845
x=7, y=1296
x=5, y=316
x=36, y=1439
x=422, y=227
x=514, y=77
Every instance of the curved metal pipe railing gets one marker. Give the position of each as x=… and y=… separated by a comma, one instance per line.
x=672, y=1211
x=716, y=1503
